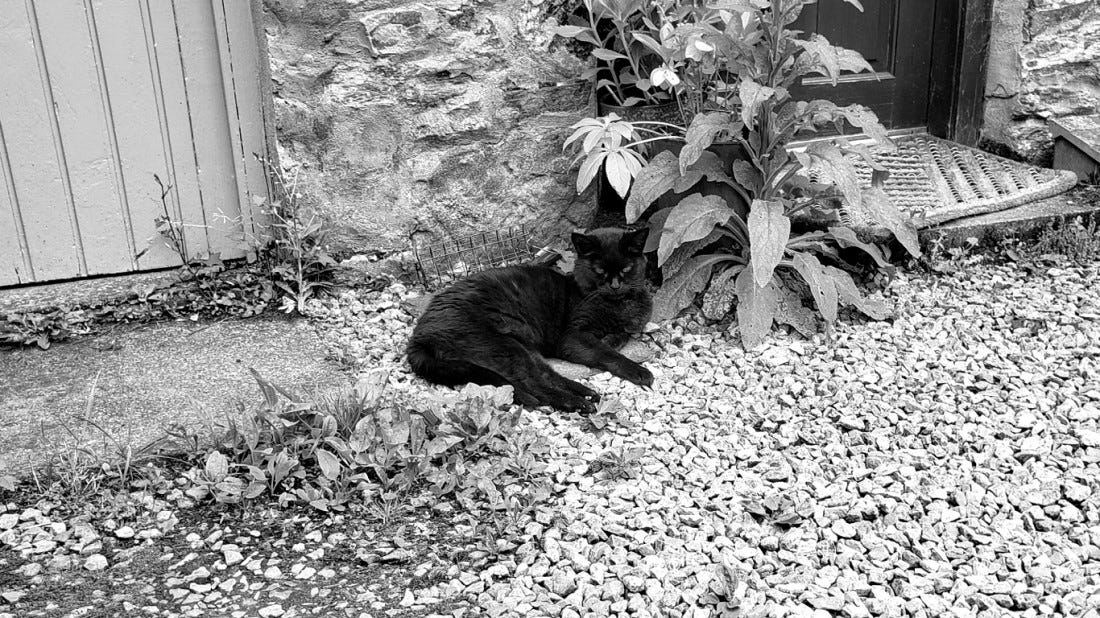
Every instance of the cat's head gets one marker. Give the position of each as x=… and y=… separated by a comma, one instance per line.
x=610, y=259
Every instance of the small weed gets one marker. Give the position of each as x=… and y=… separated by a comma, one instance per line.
x=297, y=243
x=622, y=464
x=76, y=474
x=1076, y=239
x=945, y=259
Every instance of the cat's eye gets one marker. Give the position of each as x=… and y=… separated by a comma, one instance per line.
x=599, y=271
x=627, y=269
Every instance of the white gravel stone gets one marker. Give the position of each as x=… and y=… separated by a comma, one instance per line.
x=95, y=562
x=271, y=611
x=941, y=463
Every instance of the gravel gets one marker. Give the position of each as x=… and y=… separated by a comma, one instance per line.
x=943, y=462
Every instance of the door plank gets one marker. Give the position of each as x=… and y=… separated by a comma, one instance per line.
x=162, y=48
x=139, y=143
x=913, y=60
x=80, y=104
x=15, y=262
x=213, y=148
x=36, y=171
x=235, y=65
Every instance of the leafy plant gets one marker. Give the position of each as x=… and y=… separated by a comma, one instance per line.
x=297, y=242
x=372, y=443
x=616, y=29
x=705, y=244
x=41, y=328
x=949, y=259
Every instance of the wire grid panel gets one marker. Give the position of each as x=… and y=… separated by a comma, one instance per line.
x=442, y=262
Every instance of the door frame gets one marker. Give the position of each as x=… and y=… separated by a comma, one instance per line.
x=960, y=52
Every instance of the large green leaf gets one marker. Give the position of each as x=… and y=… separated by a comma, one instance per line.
x=330, y=464
x=656, y=228
x=653, y=181
x=753, y=96
x=686, y=251
x=849, y=295
x=882, y=210
x=756, y=307
x=217, y=466
x=746, y=175
x=608, y=55
x=700, y=135
x=830, y=162
x=576, y=32
x=846, y=237
x=692, y=219
x=793, y=313
x=739, y=6
x=830, y=60
x=769, y=230
x=591, y=166
x=867, y=121
x=821, y=284
x=621, y=166
x=678, y=291
x=709, y=166
x=721, y=293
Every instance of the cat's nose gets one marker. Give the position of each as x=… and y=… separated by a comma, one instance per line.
x=615, y=284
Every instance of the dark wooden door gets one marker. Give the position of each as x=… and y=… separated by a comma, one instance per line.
x=896, y=37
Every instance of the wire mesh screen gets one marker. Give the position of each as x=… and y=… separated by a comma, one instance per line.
x=442, y=262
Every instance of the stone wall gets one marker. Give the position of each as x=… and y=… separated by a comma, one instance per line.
x=1044, y=63
x=435, y=116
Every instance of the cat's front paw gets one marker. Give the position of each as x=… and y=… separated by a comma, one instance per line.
x=633, y=372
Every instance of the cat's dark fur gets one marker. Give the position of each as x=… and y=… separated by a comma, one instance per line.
x=497, y=327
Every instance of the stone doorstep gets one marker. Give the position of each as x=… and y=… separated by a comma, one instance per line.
x=1020, y=221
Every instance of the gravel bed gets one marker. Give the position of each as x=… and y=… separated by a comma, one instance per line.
x=943, y=463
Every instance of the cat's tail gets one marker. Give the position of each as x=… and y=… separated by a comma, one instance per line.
x=425, y=362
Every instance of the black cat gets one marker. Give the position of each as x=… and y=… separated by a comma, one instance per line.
x=497, y=326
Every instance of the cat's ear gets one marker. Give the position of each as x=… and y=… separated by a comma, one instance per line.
x=585, y=244
x=634, y=242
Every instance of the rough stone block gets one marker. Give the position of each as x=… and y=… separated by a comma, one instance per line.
x=445, y=116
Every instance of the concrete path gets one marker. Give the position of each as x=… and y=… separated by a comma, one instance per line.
x=134, y=381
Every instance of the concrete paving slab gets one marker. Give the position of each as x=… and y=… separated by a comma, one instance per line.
x=147, y=377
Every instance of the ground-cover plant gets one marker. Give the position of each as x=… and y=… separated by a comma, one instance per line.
x=209, y=291
x=373, y=444
x=749, y=252
x=367, y=445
